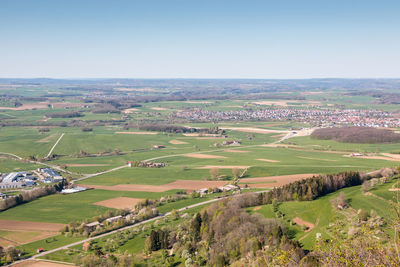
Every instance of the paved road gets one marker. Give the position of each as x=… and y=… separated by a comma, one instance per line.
x=12, y=155
x=99, y=173
x=58, y=140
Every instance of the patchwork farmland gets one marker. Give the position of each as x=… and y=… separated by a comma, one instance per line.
x=126, y=165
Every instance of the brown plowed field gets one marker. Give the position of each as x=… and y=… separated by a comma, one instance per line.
x=16, y=238
x=32, y=226
x=119, y=203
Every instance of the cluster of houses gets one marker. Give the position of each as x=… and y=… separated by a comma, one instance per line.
x=27, y=179
x=228, y=143
x=146, y=164
x=225, y=188
x=368, y=118
x=90, y=227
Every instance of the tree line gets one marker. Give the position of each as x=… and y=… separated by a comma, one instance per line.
x=179, y=129
x=30, y=195
x=363, y=135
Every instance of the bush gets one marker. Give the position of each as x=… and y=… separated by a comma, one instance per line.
x=87, y=129
x=363, y=215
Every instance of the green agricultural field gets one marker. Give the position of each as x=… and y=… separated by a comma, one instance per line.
x=286, y=161
x=11, y=165
x=66, y=208
x=150, y=176
x=48, y=243
x=25, y=141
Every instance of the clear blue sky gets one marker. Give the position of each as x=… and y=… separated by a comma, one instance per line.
x=199, y=38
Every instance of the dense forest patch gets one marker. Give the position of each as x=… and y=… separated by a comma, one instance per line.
x=363, y=135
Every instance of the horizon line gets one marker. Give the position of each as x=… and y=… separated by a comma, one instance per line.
x=191, y=78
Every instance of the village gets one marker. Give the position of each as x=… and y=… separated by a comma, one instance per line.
x=316, y=117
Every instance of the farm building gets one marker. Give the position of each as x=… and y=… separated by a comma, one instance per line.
x=14, y=177
x=50, y=173
x=10, y=185
x=89, y=227
x=29, y=183
x=86, y=246
x=114, y=219
x=231, y=143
